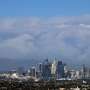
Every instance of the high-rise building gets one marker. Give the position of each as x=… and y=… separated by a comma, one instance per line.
x=53, y=69
x=40, y=67
x=46, y=70
x=39, y=70
x=33, y=71
x=60, y=70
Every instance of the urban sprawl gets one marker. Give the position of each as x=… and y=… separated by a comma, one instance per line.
x=55, y=70
x=47, y=75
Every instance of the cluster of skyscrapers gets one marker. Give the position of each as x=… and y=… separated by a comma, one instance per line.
x=58, y=70
x=55, y=70
x=48, y=70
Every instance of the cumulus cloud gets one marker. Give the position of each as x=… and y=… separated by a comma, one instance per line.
x=34, y=23
x=63, y=37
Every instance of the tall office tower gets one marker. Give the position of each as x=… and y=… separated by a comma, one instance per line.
x=33, y=71
x=46, y=70
x=60, y=70
x=53, y=69
x=40, y=67
x=84, y=71
x=39, y=70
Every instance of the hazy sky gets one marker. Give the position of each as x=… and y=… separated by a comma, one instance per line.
x=45, y=28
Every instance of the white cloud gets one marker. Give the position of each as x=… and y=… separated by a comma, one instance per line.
x=65, y=37
x=38, y=23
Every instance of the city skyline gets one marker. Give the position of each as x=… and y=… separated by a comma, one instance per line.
x=48, y=70
x=31, y=31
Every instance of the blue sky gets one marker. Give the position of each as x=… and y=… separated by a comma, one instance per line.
x=44, y=8
x=40, y=29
